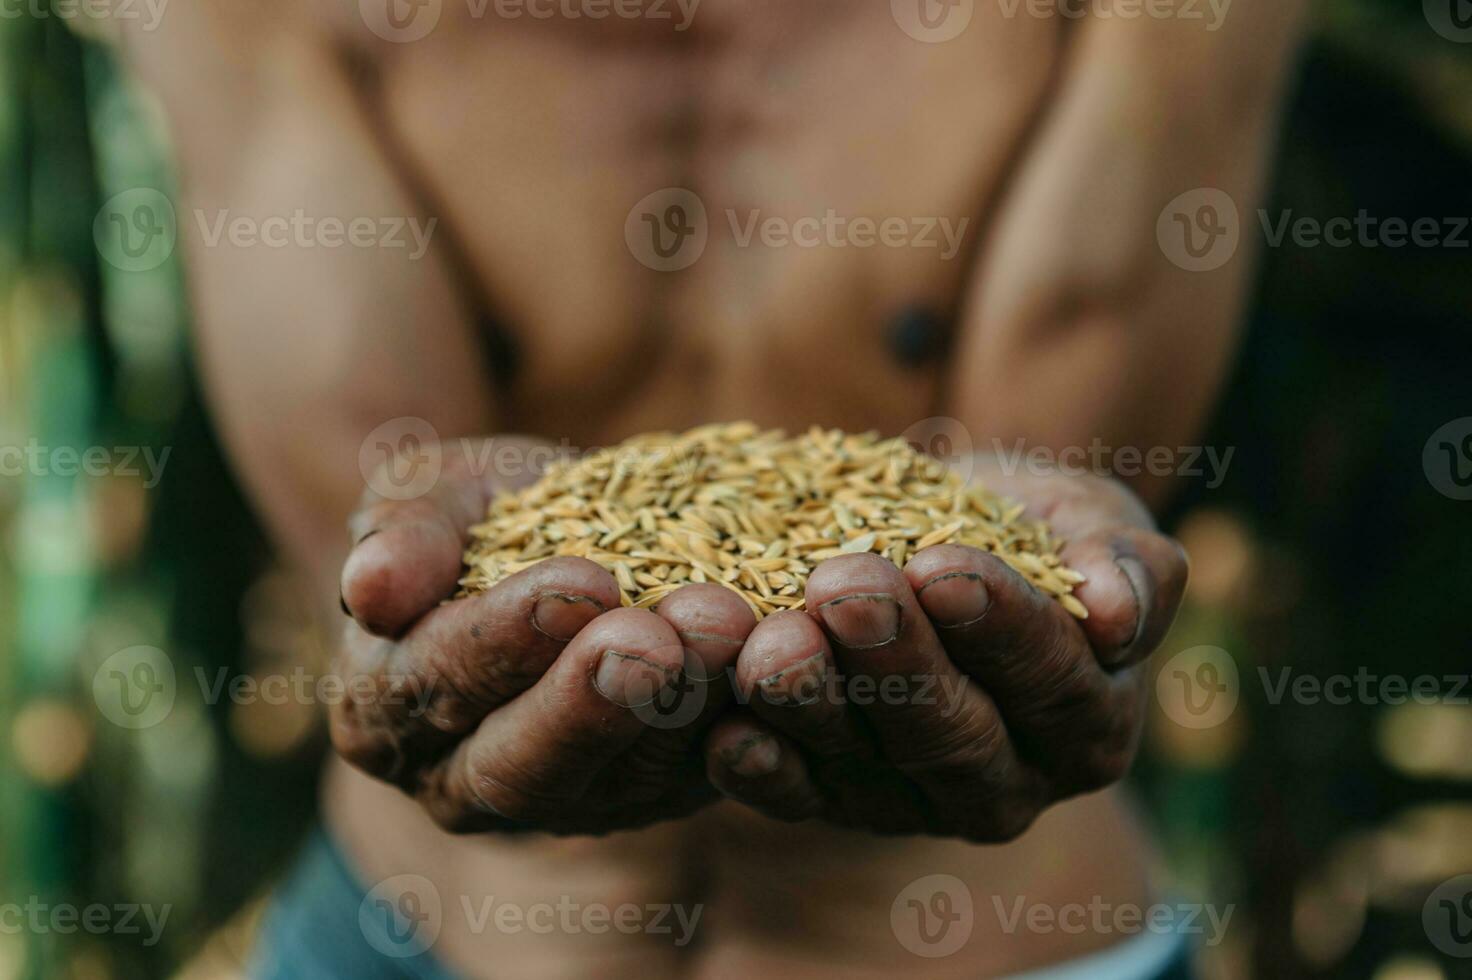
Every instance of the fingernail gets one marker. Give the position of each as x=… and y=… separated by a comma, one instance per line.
x=799, y=684
x=955, y=599
x=1142, y=585
x=342, y=601
x=559, y=616
x=755, y=755
x=863, y=621
x=629, y=680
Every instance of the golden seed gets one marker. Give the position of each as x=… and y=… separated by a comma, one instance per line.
x=754, y=511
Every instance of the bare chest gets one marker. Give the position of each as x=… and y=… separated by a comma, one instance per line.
x=669, y=223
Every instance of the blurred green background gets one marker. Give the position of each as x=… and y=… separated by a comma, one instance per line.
x=1327, y=548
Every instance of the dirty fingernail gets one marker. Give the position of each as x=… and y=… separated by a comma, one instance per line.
x=559, y=616
x=1142, y=584
x=799, y=684
x=629, y=680
x=755, y=755
x=955, y=599
x=864, y=621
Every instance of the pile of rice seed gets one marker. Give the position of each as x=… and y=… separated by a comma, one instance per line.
x=752, y=510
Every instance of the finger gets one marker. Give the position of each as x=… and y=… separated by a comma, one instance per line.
x=531, y=761
x=932, y=723
x=713, y=624
x=406, y=554
x=750, y=763
x=1072, y=505
x=1135, y=582
x=1066, y=713
x=789, y=679
x=407, y=700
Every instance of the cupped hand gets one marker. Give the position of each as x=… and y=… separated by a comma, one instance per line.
x=953, y=697
x=540, y=705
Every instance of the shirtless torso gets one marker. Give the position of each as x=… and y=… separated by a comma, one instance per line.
x=530, y=140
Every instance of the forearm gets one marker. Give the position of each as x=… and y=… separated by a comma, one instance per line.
x=1082, y=331
x=307, y=340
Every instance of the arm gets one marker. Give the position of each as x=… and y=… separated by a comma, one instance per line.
x=1078, y=326
x=304, y=351
x=529, y=706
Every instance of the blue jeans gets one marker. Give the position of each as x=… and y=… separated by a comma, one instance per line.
x=324, y=924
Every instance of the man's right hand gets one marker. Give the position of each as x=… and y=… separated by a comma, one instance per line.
x=535, y=706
